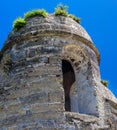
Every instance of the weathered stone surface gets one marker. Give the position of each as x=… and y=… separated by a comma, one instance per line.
x=53, y=82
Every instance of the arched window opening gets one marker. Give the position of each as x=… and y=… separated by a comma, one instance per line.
x=68, y=82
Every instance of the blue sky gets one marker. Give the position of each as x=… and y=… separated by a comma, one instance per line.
x=99, y=18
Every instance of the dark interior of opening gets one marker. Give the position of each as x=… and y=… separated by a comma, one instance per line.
x=68, y=80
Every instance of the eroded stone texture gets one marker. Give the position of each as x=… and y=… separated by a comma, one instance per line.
x=53, y=82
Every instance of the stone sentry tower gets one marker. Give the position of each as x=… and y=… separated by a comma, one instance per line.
x=53, y=80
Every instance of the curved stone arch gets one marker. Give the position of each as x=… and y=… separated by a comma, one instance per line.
x=83, y=101
x=76, y=55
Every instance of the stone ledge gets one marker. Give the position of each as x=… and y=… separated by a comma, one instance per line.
x=45, y=33
x=81, y=117
x=112, y=103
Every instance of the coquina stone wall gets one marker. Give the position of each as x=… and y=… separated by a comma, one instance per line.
x=50, y=79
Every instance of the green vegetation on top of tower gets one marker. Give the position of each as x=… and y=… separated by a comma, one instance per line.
x=19, y=23
x=75, y=18
x=104, y=82
x=63, y=11
x=40, y=12
x=60, y=10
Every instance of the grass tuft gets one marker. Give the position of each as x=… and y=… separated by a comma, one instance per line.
x=61, y=10
x=19, y=23
x=104, y=82
x=78, y=20
x=40, y=12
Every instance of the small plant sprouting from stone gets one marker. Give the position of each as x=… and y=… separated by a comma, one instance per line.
x=61, y=10
x=19, y=23
x=40, y=12
x=78, y=20
x=104, y=82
